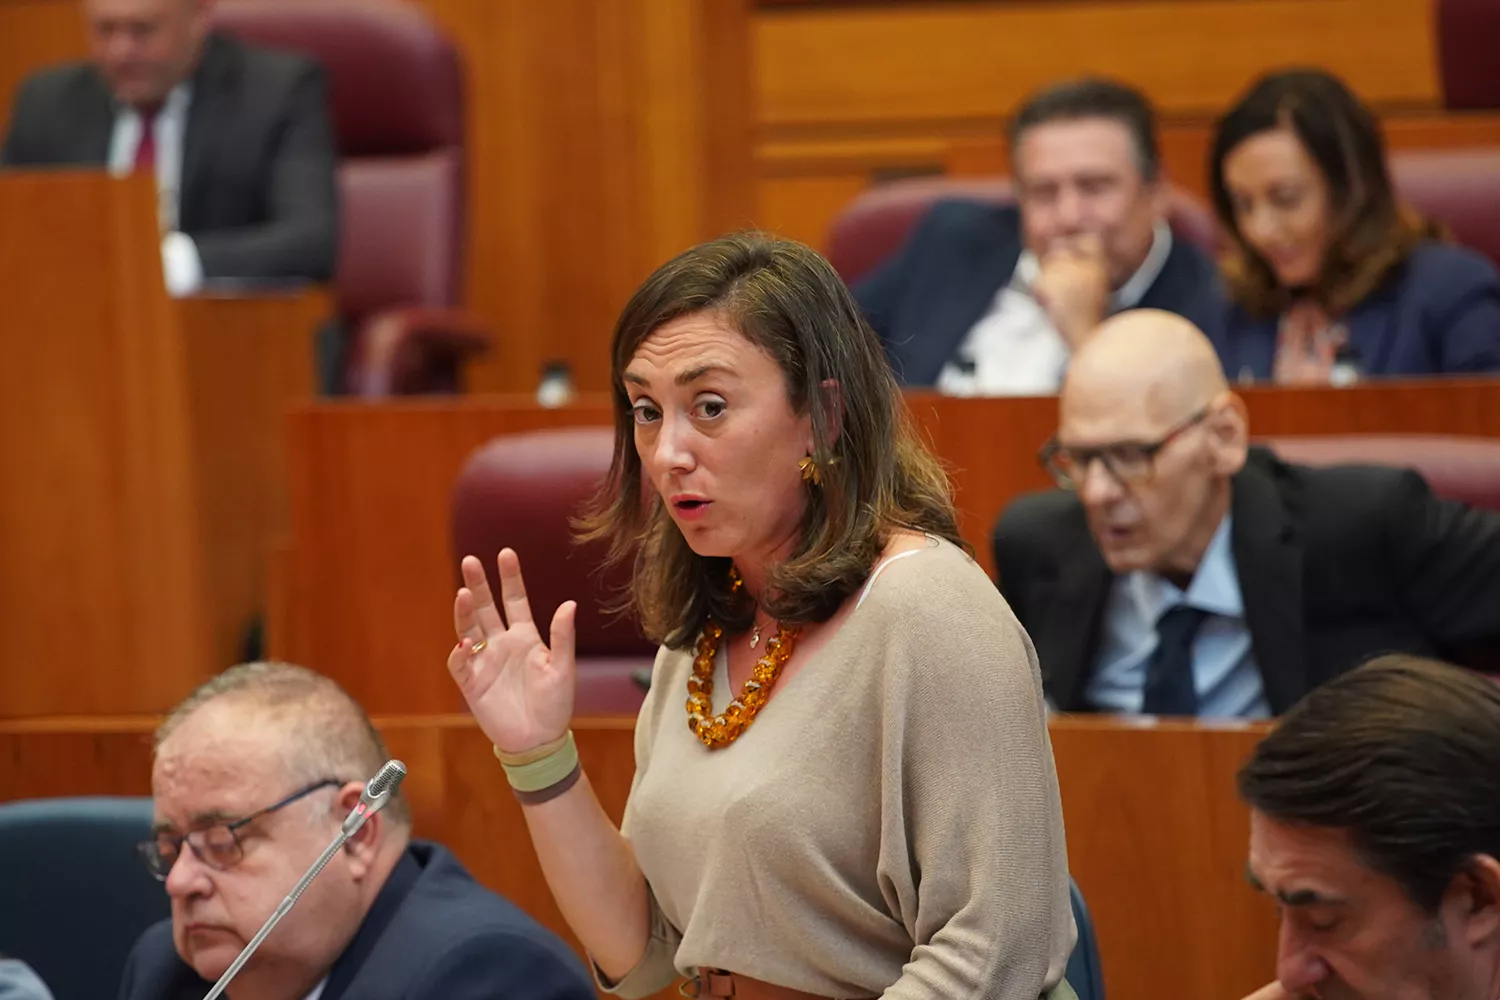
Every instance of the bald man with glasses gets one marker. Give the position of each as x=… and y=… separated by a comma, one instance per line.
x=254, y=774
x=1177, y=570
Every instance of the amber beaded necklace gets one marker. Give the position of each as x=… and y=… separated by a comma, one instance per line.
x=718, y=731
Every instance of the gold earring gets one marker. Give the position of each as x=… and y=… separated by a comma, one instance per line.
x=810, y=471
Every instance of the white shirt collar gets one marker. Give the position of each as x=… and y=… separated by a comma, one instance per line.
x=1128, y=295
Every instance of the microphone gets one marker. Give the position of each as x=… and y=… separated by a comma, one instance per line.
x=378, y=792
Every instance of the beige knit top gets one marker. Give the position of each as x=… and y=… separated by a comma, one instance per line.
x=888, y=826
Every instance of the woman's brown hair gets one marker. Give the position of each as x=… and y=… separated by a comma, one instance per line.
x=1371, y=233
x=876, y=476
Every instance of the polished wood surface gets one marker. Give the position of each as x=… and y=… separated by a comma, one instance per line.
x=1156, y=838
x=141, y=453
x=603, y=139
x=904, y=67
x=366, y=593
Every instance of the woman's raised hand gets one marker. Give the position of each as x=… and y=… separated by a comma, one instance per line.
x=519, y=691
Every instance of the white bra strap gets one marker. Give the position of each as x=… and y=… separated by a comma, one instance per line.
x=880, y=568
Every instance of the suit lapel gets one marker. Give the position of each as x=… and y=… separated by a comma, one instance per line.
x=1068, y=642
x=1268, y=561
x=1369, y=327
x=978, y=278
x=212, y=81
x=94, y=124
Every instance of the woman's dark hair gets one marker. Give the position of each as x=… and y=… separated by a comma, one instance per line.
x=1404, y=754
x=1370, y=233
x=876, y=475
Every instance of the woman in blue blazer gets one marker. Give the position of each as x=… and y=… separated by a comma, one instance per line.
x=1329, y=276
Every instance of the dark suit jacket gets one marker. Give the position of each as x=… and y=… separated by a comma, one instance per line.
x=432, y=934
x=926, y=297
x=258, y=193
x=1438, y=313
x=1335, y=565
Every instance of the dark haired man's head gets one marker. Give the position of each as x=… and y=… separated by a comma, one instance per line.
x=1375, y=823
x=1084, y=156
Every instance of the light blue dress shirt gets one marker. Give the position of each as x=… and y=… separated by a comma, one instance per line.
x=1224, y=671
x=18, y=982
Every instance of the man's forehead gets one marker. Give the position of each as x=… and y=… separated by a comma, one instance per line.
x=1287, y=858
x=216, y=762
x=1098, y=411
x=1075, y=142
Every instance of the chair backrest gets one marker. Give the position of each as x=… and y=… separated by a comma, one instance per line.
x=1468, y=35
x=396, y=94
x=876, y=224
x=1458, y=468
x=1457, y=187
x=76, y=895
x=522, y=491
x=1085, y=974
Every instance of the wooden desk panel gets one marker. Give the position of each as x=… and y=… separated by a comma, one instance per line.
x=369, y=574
x=141, y=453
x=1156, y=838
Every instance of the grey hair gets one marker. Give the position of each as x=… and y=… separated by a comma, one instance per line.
x=324, y=731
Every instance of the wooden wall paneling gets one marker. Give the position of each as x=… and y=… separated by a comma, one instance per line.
x=804, y=184
x=1156, y=837
x=370, y=490
x=887, y=66
x=605, y=137
x=34, y=34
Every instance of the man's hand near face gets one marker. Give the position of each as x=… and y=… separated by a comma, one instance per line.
x=1073, y=286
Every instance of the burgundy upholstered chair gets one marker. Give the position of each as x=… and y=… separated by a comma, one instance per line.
x=1458, y=468
x=396, y=90
x=875, y=224
x=1458, y=187
x=521, y=491
x=1468, y=37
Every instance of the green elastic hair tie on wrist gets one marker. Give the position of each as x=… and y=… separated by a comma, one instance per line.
x=538, y=775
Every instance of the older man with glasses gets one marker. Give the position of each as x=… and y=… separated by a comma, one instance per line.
x=1180, y=571
x=254, y=774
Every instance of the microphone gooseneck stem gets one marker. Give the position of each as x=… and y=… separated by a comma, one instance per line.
x=281, y=911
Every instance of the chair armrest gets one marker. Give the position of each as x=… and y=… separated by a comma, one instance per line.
x=409, y=350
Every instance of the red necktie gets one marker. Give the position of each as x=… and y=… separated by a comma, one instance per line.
x=145, y=151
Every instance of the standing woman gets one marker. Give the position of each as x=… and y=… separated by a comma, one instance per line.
x=1328, y=275
x=844, y=785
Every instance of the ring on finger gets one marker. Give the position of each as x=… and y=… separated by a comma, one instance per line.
x=478, y=647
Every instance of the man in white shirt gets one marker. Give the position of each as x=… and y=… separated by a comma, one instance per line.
x=238, y=139
x=990, y=299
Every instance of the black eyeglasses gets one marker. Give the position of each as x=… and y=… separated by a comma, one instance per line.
x=217, y=846
x=1127, y=461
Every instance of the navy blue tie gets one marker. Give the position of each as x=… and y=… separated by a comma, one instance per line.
x=1169, y=673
